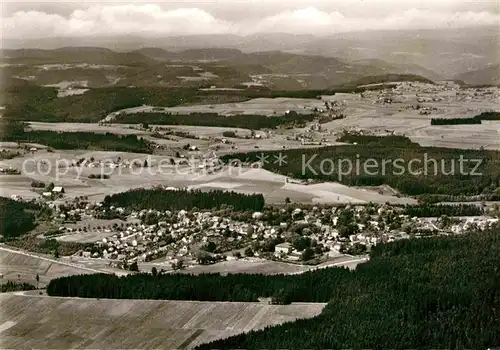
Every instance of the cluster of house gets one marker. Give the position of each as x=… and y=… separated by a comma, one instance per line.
x=10, y=171
x=149, y=234
x=179, y=235
x=446, y=91
x=57, y=191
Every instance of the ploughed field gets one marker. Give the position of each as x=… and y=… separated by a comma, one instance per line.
x=70, y=323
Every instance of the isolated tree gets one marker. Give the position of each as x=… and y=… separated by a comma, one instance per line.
x=180, y=264
x=307, y=254
x=134, y=266
x=210, y=247
x=154, y=271
x=287, y=200
x=37, y=280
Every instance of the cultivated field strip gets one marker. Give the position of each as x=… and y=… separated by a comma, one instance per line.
x=30, y=321
x=25, y=266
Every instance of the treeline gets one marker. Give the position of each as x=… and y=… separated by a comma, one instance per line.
x=11, y=286
x=379, y=141
x=474, y=120
x=16, y=218
x=214, y=119
x=14, y=132
x=432, y=170
x=162, y=199
x=426, y=210
x=432, y=199
x=455, y=121
x=422, y=293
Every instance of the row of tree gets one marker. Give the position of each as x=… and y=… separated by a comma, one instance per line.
x=455, y=121
x=161, y=199
x=12, y=286
x=427, y=210
x=379, y=141
x=474, y=120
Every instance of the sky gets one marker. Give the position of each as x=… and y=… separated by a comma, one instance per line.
x=24, y=19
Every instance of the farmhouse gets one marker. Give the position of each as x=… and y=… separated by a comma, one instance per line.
x=58, y=189
x=283, y=248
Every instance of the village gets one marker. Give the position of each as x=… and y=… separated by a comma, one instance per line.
x=293, y=233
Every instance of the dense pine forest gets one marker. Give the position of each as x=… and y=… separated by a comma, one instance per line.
x=16, y=217
x=254, y=122
x=204, y=287
x=15, y=132
x=419, y=293
x=161, y=199
x=42, y=104
x=434, y=170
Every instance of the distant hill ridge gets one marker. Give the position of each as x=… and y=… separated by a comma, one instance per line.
x=489, y=75
x=313, y=70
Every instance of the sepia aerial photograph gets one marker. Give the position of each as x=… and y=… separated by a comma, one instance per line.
x=250, y=174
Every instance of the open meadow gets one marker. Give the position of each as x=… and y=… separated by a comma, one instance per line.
x=267, y=267
x=367, y=112
x=28, y=322
x=53, y=167
x=402, y=118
